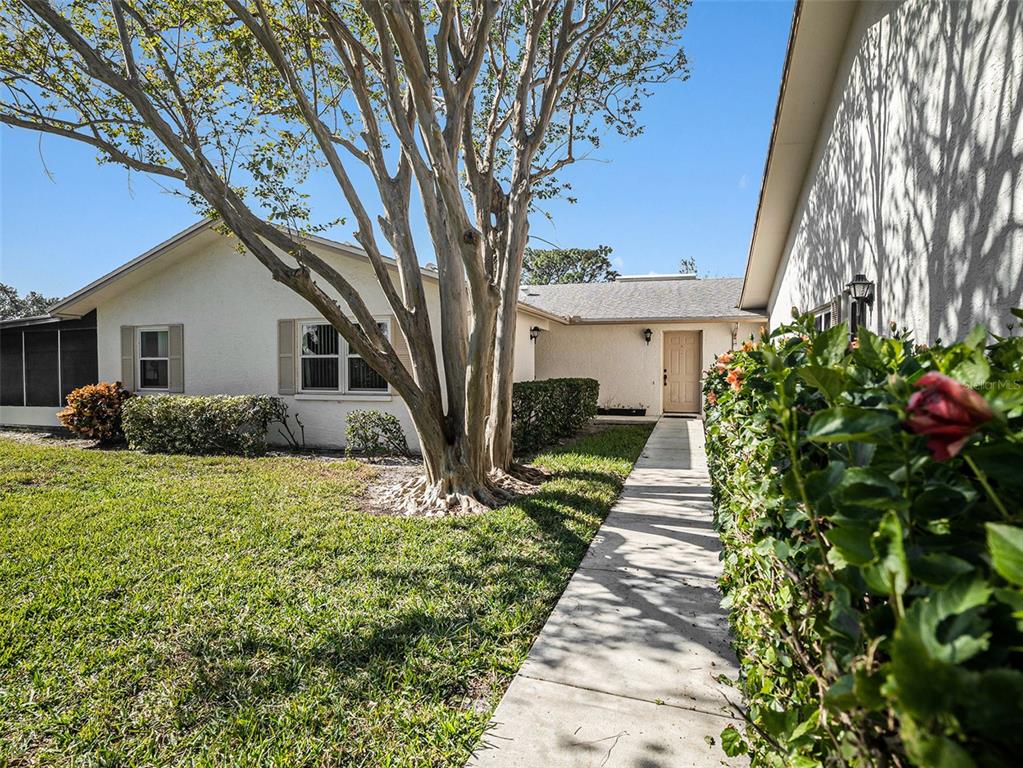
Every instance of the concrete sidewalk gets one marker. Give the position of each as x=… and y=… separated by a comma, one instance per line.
x=623, y=672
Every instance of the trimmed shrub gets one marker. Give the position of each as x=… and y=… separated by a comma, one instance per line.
x=545, y=411
x=373, y=433
x=209, y=424
x=868, y=500
x=94, y=411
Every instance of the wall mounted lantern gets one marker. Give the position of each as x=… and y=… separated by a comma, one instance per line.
x=647, y=335
x=534, y=332
x=861, y=291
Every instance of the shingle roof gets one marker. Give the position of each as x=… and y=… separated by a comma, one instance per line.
x=653, y=299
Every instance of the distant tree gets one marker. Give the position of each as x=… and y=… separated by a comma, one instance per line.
x=13, y=305
x=547, y=266
x=687, y=265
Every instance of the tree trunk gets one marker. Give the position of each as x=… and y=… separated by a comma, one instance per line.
x=499, y=428
x=457, y=472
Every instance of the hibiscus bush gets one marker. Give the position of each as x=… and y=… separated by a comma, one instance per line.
x=868, y=499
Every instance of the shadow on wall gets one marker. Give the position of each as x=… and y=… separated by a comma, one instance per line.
x=919, y=183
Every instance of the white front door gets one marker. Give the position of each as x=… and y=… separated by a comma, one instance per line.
x=681, y=372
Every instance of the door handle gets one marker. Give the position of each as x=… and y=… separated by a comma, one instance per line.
x=665, y=377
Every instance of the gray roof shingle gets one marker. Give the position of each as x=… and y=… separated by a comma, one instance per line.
x=642, y=299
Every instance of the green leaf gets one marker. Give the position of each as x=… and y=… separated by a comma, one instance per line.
x=891, y=555
x=852, y=539
x=973, y=370
x=830, y=381
x=955, y=610
x=840, y=695
x=846, y=423
x=829, y=346
x=870, y=352
x=938, y=567
x=867, y=487
x=938, y=752
x=976, y=337
x=1005, y=543
x=732, y=742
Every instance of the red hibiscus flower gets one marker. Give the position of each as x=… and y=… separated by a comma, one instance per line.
x=947, y=412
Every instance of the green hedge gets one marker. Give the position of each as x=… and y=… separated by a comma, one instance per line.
x=201, y=425
x=868, y=499
x=545, y=411
x=374, y=433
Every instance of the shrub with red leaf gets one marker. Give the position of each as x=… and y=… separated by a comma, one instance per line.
x=94, y=411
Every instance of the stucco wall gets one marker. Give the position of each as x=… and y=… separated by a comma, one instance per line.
x=34, y=416
x=525, y=363
x=229, y=308
x=917, y=179
x=628, y=369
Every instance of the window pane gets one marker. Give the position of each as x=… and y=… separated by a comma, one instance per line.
x=42, y=367
x=154, y=374
x=77, y=358
x=11, y=389
x=320, y=373
x=361, y=376
x=320, y=339
x=154, y=344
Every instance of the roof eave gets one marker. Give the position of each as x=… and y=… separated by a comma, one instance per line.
x=744, y=318
x=818, y=55
x=65, y=307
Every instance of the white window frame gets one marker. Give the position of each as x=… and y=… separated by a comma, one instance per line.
x=300, y=327
x=824, y=310
x=349, y=354
x=344, y=353
x=139, y=358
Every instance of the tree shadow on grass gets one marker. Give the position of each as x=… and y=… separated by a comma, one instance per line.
x=432, y=628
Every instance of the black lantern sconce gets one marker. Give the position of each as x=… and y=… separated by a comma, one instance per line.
x=534, y=332
x=861, y=291
x=647, y=335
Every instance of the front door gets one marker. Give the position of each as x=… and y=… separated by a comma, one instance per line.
x=682, y=371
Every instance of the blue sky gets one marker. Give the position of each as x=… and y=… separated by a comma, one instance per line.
x=687, y=187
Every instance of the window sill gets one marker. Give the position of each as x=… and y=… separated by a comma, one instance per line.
x=351, y=397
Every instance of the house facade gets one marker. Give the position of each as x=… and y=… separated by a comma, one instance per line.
x=645, y=339
x=196, y=315
x=896, y=154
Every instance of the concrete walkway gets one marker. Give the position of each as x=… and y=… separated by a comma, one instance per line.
x=622, y=675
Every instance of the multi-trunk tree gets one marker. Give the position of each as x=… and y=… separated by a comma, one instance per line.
x=467, y=110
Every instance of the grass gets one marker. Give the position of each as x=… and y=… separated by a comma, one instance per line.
x=171, y=610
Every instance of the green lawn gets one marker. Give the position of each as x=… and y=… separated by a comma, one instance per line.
x=170, y=610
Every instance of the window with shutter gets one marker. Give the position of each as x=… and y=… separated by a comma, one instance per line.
x=327, y=364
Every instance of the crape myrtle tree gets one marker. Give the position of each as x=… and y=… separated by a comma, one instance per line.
x=469, y=110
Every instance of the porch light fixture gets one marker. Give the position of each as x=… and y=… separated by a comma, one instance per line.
x=647, y=335
x=861, y=289
x=534, y=332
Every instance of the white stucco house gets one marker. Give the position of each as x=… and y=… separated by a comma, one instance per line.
x=196, y=315
x=896, y=154
x=646, y=339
